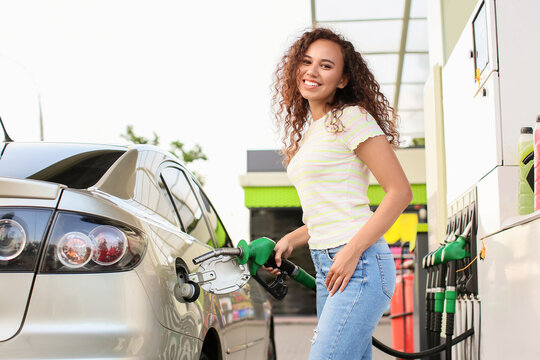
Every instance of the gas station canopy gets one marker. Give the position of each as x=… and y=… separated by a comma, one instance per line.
x=392, y=35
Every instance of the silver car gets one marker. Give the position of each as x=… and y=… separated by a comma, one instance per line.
x=94, y=242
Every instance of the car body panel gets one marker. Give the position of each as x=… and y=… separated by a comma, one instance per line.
x=118, y=323
x=120, y=179
x=29, y=189
x=257, y=330
x=86, y=202
x=13, y=297
x=21, y=202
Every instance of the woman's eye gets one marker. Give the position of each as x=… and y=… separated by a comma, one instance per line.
x=306, y=62
x=326, y=66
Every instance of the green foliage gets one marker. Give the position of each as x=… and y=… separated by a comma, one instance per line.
x=176, y=148
x=130, y=136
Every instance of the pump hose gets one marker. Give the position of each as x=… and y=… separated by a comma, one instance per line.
x=449, y=332
x=294, y=271
x=424, y=353
x=304, y=278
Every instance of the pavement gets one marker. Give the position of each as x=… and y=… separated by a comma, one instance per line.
x=293, y=337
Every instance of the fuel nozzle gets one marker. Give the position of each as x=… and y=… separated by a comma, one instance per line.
x=451, y=254
x=256, y=253
x=440, y=281
x=437, y=260
x=455, y=250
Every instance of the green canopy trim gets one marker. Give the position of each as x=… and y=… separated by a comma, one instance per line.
x=286, y=196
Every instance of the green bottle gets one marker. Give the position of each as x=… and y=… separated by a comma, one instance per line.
x=526, y=173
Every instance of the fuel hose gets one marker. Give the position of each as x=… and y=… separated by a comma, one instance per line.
x=417, y=355
x=297, y=273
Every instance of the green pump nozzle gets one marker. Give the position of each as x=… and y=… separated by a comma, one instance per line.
x=436, y=273
x=260, y=252
x=455, y=250
x=441, y=272
x=255, y=253
x=436, y=257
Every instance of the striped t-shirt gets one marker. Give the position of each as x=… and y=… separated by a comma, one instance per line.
x=331, y=180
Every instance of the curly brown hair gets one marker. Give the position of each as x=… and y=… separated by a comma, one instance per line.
x=362, y=90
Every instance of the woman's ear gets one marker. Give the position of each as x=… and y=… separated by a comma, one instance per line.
x=343, y=82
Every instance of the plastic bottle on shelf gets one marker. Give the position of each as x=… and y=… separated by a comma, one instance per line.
x=526, y=173
x=537, y=164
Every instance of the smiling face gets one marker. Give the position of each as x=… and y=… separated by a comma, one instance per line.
x=320, y=75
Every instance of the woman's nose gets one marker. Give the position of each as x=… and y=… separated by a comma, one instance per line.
x=312, y=70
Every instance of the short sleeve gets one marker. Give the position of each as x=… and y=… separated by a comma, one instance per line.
x=359, y=126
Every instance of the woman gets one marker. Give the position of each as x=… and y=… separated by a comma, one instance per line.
x=337, y=127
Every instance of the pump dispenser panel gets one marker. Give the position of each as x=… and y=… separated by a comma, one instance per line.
x=463, y=214
x=463, y=227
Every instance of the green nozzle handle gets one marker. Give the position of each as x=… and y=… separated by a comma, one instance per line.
x=455, y=250
x=261, y=251
x=450, y=297
x=437, y=256
x=256, y=253
x=439, y=300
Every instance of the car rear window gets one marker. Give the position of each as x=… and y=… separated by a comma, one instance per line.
x=74, y=165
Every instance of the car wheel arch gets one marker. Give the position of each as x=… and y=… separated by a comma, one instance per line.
x=271, y=348
x=211, y=347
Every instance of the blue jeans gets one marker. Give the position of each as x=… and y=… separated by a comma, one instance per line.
x=347, y=320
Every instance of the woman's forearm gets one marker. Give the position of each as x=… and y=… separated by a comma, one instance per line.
x=391, y=207
x=298, y=237
x=289, y=242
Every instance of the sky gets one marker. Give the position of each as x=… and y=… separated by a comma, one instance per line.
x=195, y=71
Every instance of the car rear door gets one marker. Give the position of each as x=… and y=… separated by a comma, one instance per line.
x=192, y=216
x=251, y=306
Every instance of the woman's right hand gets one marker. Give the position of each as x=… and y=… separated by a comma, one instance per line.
x=283, y=249
x=285, y=246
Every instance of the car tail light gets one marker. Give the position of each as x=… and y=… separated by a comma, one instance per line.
x=74, y=249
x=22, y=232
x=87, y=243
x=111, y=244
x=12, y=239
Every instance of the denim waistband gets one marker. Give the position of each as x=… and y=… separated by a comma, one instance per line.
x=378, y=246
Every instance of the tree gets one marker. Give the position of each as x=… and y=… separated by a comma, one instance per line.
x=176, y=148
x=130, y=136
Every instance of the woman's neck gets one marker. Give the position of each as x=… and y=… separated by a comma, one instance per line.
x=318, y=111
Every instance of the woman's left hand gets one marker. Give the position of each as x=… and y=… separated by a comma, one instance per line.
x=341, y=271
